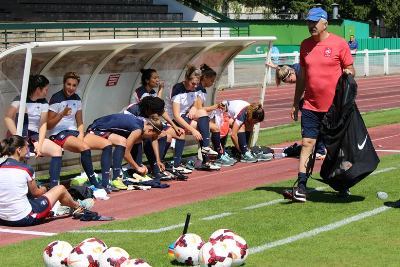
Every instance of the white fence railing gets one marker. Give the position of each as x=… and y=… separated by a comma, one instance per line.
x=249, y=69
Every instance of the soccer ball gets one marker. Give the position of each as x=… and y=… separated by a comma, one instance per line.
x=56, y=253
x=220, y=233
x=217, y=254
x=113, y=256
x=135, y=263
x=238, y=248
x=187, y=247
x=87, y=253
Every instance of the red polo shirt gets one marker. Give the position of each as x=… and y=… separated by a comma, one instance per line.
x=323, y=63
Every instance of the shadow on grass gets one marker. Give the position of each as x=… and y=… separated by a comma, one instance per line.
x=316, y=196
x=392, y=204
x=176, y=263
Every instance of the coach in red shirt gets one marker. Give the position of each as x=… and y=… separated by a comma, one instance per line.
x=323, y=58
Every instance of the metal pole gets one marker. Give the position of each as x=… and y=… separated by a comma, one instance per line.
x=366, y=63
x=24, y=90
x=267, y=73
x=386, y=62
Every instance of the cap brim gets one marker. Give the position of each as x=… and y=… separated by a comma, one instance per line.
x=313, y=18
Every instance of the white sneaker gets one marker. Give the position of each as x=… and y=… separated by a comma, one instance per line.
x=182, y=170
x=208, y=151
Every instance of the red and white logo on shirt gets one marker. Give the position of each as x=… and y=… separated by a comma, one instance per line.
x=328, y=52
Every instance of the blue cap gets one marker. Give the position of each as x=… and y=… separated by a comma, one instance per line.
x=316, y=13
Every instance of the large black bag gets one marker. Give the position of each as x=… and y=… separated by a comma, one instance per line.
x=350, y=153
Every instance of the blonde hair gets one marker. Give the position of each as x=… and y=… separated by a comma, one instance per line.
x=282, y=73
x=192, y=72
x=71, y=75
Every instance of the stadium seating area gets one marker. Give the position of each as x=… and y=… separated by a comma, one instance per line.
x=89, y=10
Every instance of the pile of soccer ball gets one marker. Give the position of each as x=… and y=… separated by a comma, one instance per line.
x=224, y=248
x=90, y=252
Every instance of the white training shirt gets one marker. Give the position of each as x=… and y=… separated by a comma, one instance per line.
x=234, y=107
x=58, y=102
x=14, y=176
x=34, y=110
x=184, y=97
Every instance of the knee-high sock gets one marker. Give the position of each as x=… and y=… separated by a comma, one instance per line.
x=54, y=170
x=179, y=145
x=242, y=142
x=86, y=161
x=137, y=152
x=203, y=124
x=216, y=141
x=162, y=143
x=118, y=155
x=223, y=142
x=151, y=157
x=248, y=136
x=106, y=156
x=167, y=146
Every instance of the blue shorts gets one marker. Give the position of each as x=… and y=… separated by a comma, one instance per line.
x=32, y=138
x=103, y=134
x=62, y=137
x=186, y=118
x=311, y=123
x=40, y=211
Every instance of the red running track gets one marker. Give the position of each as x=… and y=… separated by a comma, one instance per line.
x=205, y=185
x=374, y=93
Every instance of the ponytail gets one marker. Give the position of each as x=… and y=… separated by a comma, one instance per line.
x=9, y=145
x=207, y=72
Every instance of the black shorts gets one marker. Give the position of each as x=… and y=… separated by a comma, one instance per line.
x=41, y=207
x=32, y=138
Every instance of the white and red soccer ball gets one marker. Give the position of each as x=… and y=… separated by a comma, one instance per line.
x=56, y=253
x=113, y=256
x=187, y=248
x=215, y=254
x=235, y=243
x=87, y=253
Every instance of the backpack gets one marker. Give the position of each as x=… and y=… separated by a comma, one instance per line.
x=80, y=192
x=350, y=153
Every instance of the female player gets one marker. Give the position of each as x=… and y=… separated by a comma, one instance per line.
x=17, y=180
x=35, y=124
x=66, y=130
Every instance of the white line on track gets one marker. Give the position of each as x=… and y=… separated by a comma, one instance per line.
x=388, y=150
x=25, y=232
x=319, y=230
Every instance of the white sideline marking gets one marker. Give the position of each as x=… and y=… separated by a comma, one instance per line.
x=159, y=230
x=276, y=201
x=318, y=230
x=217, y=216
x=384, y=170
x=26, y=232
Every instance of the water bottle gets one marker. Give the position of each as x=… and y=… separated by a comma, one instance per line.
x=279, y=155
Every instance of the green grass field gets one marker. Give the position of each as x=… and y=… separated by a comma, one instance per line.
x=372, y=241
